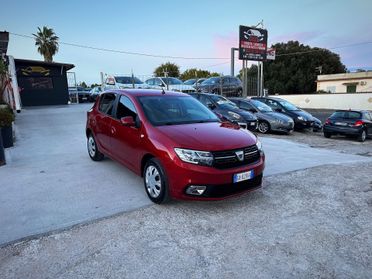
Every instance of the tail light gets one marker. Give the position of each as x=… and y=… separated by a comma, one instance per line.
x=328, y=121
x=358, y=123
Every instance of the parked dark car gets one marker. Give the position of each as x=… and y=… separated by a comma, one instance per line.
x=94, y=93
x=268, y=120
x=226, y=85
x=301, y=118
x=180, y=148
x=349, y=123
x=228, y=110
x=194, y=82
x=79, y=92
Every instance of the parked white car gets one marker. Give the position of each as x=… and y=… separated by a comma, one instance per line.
x=123, y=82
x=169, y=83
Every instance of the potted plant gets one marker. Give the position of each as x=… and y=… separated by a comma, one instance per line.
x=6, y=120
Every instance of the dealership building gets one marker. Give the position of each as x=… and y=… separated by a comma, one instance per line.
x=42, y=83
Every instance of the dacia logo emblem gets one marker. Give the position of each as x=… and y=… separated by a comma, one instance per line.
x=240, y=155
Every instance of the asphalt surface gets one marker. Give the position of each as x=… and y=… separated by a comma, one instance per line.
x=50, y=183
x=313, y=223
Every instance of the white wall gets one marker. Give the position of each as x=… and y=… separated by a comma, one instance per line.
x=358, y=101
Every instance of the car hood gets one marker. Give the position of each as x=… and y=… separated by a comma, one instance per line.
x=208, y=136
x=274, y=116
x=180, y=87
x=307, y=116
x=244, y=114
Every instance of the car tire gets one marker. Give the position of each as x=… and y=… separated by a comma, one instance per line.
x=93, y=151
x=327, y=135
x=263, y=127
x=363, y=136
x=155, y=181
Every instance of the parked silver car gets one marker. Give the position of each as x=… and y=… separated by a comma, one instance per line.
x=268, y=120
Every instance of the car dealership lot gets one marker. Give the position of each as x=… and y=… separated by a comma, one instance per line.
x=315, y=218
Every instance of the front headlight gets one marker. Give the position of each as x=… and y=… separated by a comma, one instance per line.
x=300, y=118
x=194, y=156
x=259, y=145
x=234, y=115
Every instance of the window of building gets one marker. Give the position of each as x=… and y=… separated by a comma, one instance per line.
x=351, y=88
x=331, y=89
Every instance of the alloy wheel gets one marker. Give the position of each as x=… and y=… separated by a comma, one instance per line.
x=263, y=127
x=91, y=146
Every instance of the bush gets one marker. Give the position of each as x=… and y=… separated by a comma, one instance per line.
x=6, y=117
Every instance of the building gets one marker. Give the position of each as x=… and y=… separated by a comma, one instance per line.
x=42, y=83
x=345, y=83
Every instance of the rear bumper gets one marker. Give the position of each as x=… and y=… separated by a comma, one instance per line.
x=342, y=130
x=219, y=182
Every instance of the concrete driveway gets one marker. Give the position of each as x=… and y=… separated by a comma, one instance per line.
x=50, y=183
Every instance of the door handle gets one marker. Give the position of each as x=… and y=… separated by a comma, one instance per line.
x=113, y=130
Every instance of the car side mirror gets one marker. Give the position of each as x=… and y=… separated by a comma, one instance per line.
x=278, y=110
x=127, y=121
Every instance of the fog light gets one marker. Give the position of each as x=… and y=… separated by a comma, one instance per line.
x=196, y=190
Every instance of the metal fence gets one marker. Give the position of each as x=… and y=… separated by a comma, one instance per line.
x=222, y=85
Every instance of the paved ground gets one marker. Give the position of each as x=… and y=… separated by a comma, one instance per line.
x=50, y=182
x=313, y=223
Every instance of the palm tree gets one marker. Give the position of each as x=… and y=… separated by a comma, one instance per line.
x=46, y=42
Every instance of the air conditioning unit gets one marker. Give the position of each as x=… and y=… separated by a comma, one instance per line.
x=363, y=83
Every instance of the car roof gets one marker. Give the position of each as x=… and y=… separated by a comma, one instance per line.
x=145, y=92
x=270, y=98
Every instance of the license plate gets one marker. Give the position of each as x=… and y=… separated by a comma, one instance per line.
x=341, y=124
x=242, y=176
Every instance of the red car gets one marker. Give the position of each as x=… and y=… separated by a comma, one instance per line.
x=178, y=145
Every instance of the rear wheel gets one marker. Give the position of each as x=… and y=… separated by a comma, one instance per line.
x=327, y=135
x=363, y=136
x=93, y=151
x=263, y=127
x=155, y=181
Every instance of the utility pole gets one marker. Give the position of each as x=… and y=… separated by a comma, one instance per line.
x=166, y=77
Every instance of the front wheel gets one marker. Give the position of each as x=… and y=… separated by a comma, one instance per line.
x=155, y=181
x=363, y=136
x=263, y=127
x=93, y=151
x=327, y=135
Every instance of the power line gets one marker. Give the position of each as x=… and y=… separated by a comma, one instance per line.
x=188, y=58
x=129, y=52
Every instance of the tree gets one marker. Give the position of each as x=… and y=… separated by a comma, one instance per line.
x=294, y=70
x=83, y=84
x=47, y=43
x=194, y=73
x=251, y=72
x=172, y=69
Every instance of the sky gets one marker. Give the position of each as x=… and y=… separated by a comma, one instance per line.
x=190, y=28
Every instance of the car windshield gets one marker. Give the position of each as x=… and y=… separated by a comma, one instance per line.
x=288, y=106
x=261, y=106
x=190, y=81
x=213, y=80
x=128, y=80
x=223, y=101
x=346, y=114
x=175, y=110
x=172, y=81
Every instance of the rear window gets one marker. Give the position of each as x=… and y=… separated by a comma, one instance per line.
x=346, y=114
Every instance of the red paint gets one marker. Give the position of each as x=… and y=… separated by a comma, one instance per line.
x=129, y=145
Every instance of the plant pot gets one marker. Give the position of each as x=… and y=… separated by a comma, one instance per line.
x=7, y=136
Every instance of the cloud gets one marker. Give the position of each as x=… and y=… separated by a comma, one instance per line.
x=223, y=44
x=302, y=37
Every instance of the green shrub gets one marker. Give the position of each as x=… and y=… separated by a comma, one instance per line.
x=6, y=117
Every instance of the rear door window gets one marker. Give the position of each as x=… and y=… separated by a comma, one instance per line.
x=346, y=114
x=106, y=103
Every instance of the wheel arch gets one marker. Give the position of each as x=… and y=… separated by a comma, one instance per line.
x=144, y=160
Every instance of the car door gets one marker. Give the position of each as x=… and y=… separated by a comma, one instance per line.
x=126, y=140
x=103, y=120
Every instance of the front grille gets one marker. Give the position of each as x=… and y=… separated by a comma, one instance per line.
x=229, y=159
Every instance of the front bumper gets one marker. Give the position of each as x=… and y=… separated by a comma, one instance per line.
x=282, y=127
x=219, y=182
x=342, y=130
x=299, y=124
x=250, y=125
